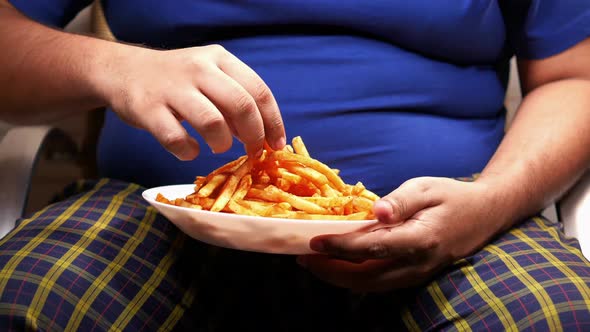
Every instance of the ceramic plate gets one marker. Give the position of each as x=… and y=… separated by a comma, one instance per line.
x=260, y=234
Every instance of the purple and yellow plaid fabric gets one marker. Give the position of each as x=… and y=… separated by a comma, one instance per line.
x=95, y=261
x=101, y=259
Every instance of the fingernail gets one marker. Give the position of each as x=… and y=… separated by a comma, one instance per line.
x=319, y=246
x=279, y=144
x=302, y=261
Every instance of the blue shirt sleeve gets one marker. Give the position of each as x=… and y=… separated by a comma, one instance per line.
x=57, y=13
x=538, y=29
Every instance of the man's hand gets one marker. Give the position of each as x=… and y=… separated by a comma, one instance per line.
x=425, y=225
x=155, y=90
x=211, y=89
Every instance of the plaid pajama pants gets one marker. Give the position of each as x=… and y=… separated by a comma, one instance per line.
x=102, y=259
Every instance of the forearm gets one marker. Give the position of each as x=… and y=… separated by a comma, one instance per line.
x=46, y=73
x=545, y=151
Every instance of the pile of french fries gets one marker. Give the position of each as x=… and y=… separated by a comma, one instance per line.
x=286, y=183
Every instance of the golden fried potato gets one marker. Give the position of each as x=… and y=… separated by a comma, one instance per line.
x=287, y=183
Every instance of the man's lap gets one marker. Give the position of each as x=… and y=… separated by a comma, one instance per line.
x=96, y=259
x=103, y=258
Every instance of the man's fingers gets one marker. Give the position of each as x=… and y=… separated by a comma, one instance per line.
x=238, y=107
x=267, y=105
x=202, y=115
x=164, y=126
x=406, y=240
x=404, y=202
x=339, y=272
x=369, y=276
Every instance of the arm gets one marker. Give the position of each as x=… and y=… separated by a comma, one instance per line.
x=47, y=73
x=428, y=223
x=546, y=148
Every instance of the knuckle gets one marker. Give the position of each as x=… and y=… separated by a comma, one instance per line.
x=398, y=204
x=262, y=93
x=216, y=49
x=256, y=138
x=245, y=106
x=213, y=122
x=429, y=243
x=276, y=121
x=197, y=63
x=422, y=185
x=274, y=125
x=173, y=140
x=130, y=108
x=260, y=136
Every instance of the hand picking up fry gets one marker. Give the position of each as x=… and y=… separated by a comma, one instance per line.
x=286, y=183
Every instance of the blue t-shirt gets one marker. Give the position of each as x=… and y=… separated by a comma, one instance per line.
x=384, y=90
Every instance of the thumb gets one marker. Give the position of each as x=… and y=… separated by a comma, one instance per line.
x=401, y=204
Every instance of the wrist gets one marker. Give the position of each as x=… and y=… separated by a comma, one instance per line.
x=83, y=63
x=508, y=198
x=107, y=76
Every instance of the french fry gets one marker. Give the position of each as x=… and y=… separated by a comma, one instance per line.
x=263, y=178
x=262, y=204
x=348, y=208
x=283, y=184
x=243, y=187
x=192, y=198
x=358, y=188
x=256, y=192
x=305, y=189
x=260, y=186
x=362, y=204
x=293, y=178
x=330, y=202
x=230, y=167
x=230, y=186
x=286, y=183
x=301, y=215
x=318, y=166
x=285, y=206
x=205, y=202
x=236, y=207
x=189, y=205
x=317, y=178
x=274, y=194
x=329, y=191
x=299, y=147
x=199, y=182
x=274, y=210
x=265, y=208
x=160, y=198
x=216, y=181
x=370, y=195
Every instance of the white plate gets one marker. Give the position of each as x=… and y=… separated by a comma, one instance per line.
x=261, y=234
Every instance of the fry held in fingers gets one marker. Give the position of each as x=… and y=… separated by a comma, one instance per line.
x=285, y=183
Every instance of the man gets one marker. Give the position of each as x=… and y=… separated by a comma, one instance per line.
x=402, y=96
